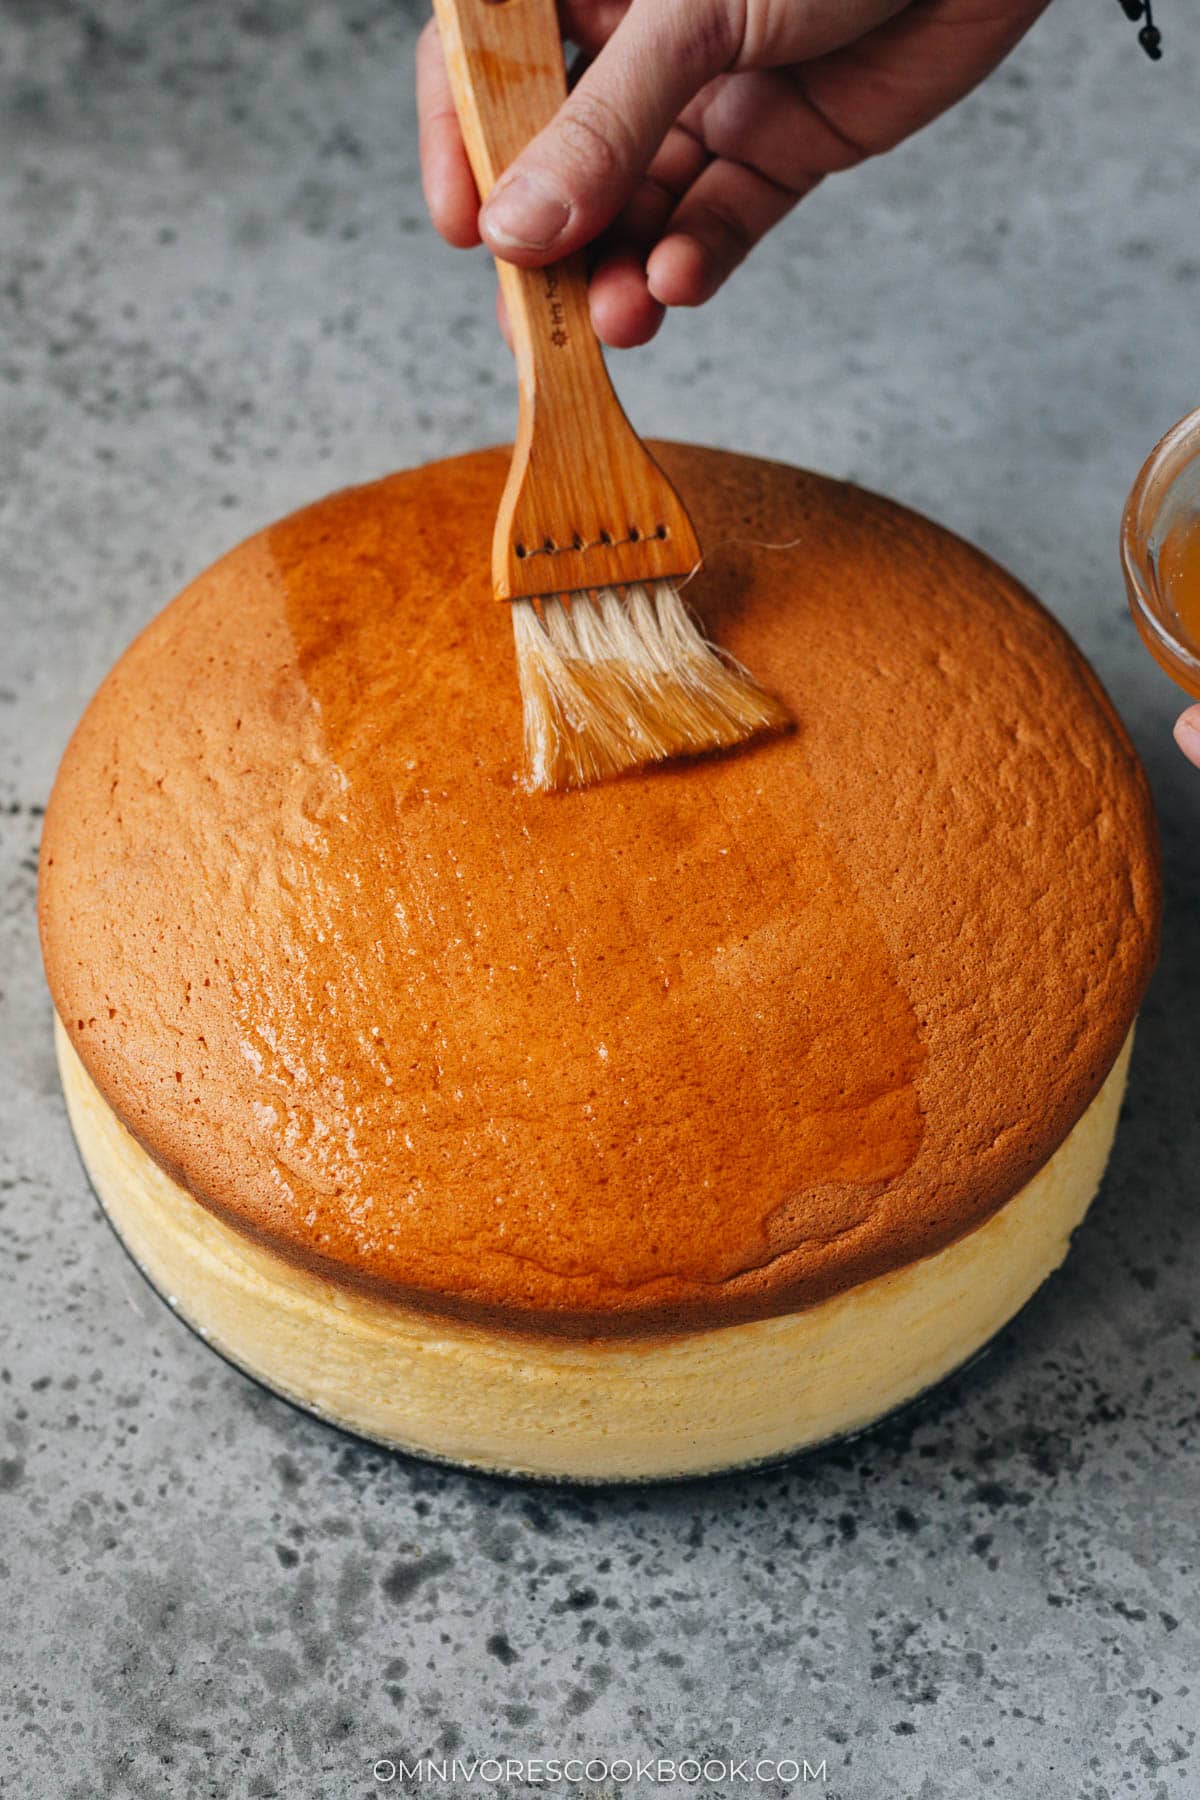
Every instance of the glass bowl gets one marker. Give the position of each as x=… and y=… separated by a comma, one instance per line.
x=1160, y=552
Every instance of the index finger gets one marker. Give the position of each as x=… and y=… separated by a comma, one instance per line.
x=450, y=191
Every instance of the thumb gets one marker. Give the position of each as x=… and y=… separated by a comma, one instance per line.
x=1187, y=734
x=575, y=176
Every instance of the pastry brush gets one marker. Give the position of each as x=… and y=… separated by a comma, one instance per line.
x=591, y=538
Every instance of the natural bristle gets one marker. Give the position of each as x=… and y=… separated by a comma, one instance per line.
x=611, y=684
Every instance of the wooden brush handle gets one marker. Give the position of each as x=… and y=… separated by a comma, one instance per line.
x=585, y=504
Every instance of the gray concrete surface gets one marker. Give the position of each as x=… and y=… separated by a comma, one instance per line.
x=220, y=297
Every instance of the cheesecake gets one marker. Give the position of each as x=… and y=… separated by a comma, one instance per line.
x=667, y=1126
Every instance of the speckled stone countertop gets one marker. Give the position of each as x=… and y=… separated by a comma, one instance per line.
x=220, y=297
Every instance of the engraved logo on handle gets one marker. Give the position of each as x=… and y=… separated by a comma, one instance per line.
x=558, y=312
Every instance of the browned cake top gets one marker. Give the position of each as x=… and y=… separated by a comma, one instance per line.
x=704, y=1044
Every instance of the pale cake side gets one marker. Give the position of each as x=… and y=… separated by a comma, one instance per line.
x=603, y=1409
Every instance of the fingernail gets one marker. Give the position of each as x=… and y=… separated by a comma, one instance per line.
x=525, y=213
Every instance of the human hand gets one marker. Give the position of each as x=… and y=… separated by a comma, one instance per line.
x=696, y=125
x=1187, y=734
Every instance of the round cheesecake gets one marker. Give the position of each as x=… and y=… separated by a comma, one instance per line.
x=661, y=1127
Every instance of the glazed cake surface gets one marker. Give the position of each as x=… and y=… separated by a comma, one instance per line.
x=702, y=1046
